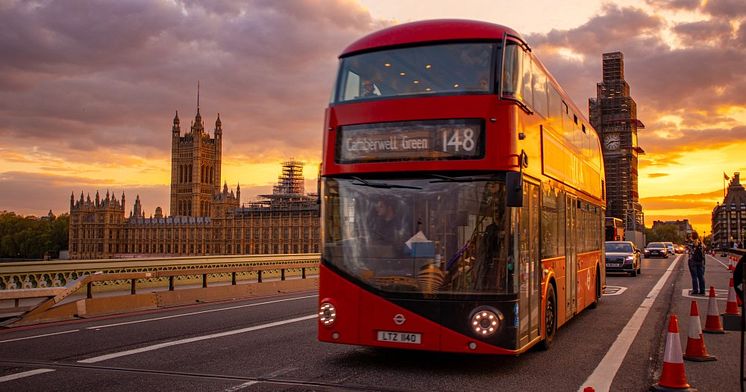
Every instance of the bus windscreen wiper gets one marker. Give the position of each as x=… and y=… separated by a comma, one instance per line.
x=381, y=184
x=442, y=178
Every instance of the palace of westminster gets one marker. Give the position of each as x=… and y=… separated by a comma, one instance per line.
x=205, y=220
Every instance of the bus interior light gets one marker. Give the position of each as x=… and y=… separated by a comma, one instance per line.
x=327, y=314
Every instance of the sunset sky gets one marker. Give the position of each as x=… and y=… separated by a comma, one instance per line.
x=88, y=89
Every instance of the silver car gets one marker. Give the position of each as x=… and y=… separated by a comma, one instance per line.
x=622, y=256
x=670, y=248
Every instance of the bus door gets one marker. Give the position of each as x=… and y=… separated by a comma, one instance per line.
x=571, y=265
x=528, y=264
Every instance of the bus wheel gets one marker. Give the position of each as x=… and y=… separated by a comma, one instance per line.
x=597, y=295
x=550, y=319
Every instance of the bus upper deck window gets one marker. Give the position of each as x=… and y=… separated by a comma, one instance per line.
x=512, y=69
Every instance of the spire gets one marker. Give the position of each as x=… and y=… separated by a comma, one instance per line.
x=197, y=125
x=176, y=129
x=218, y=126
x=137, y=209
x=225, y=187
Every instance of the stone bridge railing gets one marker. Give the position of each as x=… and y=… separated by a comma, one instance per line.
x=47, y=274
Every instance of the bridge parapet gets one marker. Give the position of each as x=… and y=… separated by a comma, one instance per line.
x=44, y=274
x=54, y=308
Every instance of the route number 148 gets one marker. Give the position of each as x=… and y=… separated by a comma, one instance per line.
x=458, y=139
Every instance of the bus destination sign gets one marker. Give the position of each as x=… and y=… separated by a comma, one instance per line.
x=414, y=140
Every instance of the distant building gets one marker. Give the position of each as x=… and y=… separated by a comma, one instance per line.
x=729, y=217
x=614, y=115
x=683, y=227
x=205, y=220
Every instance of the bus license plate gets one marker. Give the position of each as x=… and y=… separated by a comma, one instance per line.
x=399, y=337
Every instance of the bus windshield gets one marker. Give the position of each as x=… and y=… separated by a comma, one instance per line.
x=432, y=235
x=434, y=69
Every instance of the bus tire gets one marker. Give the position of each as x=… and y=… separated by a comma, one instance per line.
x=597, y=293
x=550, y=319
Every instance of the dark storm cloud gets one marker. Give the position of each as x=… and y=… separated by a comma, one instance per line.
x=692, y=140
x=688, y=5
x=707, y=30
x=681, y=202
x=708, y=64
x=602, y=32
x=79, y=75
x=725, y=8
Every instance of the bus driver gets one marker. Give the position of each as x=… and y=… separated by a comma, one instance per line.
x=369, y=89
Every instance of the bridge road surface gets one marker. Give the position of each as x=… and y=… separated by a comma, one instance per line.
x=269, y=344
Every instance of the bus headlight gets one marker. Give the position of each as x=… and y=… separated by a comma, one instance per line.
x=327, y=314
x=485, y=322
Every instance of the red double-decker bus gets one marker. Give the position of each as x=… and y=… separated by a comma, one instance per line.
x=461, y=194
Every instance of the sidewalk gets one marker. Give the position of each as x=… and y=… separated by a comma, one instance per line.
x=721, y=375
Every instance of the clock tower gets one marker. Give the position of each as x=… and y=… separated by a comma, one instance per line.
x=614, y=115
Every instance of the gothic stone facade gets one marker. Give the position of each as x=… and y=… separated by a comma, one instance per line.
x=205, y=220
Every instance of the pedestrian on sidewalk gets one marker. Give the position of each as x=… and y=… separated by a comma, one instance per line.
x=697, y=265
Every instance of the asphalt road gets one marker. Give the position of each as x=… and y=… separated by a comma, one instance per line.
x=269, y=344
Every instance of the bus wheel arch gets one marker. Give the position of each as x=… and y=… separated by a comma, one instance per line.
x=550, y=316
x=598, y=291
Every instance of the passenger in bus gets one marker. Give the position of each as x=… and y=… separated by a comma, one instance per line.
x=386, y=228
x=369, y=89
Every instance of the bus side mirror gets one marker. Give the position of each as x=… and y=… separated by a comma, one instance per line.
x=514, y=189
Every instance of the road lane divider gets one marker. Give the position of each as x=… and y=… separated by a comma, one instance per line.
x=200, y=312
x=716, y=259
x=606, y=370
x=16, y=376
x=38, y=336
x=159, y=346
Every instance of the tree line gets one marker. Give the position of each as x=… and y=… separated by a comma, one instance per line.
x=30, y=237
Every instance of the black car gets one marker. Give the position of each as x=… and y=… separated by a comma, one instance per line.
x=656, y=249
x=622, y=256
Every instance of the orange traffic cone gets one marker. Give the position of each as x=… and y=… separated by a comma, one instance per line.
x=673, y=375
x=713, y=323
x=732, y=306
x=695, y=344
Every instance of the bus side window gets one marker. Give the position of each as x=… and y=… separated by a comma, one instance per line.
x=511, y=70
x=540, y=90
x=555, y=108
x=526, y=79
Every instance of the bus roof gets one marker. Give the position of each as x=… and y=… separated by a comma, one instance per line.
x=441, y=30
x=436, y=30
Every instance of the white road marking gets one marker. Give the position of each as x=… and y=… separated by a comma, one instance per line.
x=604, y=373
x=200, y=312
x=39, y=336
x=241, y=386
x=16, y=376
x=716, y=259
x=614, y=290
x=195, y=339
x=720, y=295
